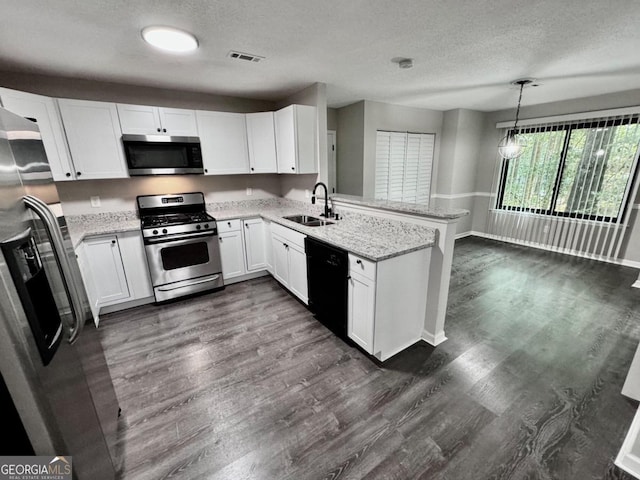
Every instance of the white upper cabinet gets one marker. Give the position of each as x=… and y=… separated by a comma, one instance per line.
x=146, y=120
x=94, y=136
x=296, y=139
x=262, y=142
x=223, y=139
x=43, y=111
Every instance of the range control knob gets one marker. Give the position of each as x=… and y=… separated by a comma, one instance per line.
x=206, y=225
x=155, y=232
x=198, y=227
x=164, y=230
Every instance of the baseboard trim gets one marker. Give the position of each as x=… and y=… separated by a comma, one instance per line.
x=116, y=307
x=248, y=276
x=621, y=261
x=433, y=340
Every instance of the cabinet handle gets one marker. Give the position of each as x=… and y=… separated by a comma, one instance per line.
x=359, y=262
x=206, y=171
x=293, y=168
x=159, y=130
x=252, y=169
x=285, y=245
x=164, y=130
x=113, y=242
x=78, y=173
x=229, y=224
x=68, y=174
x=220, y=238
x=246, y=225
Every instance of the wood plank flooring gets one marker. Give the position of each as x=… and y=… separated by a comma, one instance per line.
x=246, y=384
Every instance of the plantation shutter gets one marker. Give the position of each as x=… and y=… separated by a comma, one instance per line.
x=403, y=166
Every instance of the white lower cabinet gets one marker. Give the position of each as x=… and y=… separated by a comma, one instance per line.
x=106, y=269
x=232, y=254
x=290, y=260
x=386, y=308
x=361, y=313
x=268, y=246
x=242, y=249
x=254, y=244
x=115, y=272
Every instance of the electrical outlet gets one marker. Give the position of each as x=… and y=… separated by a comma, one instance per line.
x=307, y=193
x=95, y=201
x=249, y=191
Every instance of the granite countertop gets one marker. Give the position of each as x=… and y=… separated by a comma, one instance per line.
x=434, y=210
x=365, y=235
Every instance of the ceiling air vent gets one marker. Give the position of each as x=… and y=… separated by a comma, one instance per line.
x=245, y=56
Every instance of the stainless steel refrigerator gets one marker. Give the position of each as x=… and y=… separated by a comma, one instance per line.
x=53, y=369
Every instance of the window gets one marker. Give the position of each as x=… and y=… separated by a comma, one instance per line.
x=403, y=166
x=578, y=170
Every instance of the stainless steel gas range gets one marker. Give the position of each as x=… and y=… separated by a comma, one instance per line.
x=181, y=243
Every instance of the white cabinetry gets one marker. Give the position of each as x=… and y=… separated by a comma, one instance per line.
x=386, y=308
x=262, y=142
x=361, y=313
x=106, y=269
x=254, y=244
x=296, y=139
x=44, y=112
x=242, y=249
x=231, y=249
x=290, y=260
x=94, y=136
x=146, y=120
x=223, y=139
x=115, y=272
x=268, y=246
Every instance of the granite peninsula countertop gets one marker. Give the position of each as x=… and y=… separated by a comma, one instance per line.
x=433, y=210
x=365, y=235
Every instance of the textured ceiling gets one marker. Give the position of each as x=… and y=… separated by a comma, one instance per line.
x=465, y=52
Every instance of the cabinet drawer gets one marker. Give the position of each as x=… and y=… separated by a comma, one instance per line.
x=229, y=226
x=362, y=266
x=291, y=236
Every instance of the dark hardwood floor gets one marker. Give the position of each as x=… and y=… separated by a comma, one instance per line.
x=245, y=384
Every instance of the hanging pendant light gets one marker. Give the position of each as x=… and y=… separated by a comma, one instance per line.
x=512, y=145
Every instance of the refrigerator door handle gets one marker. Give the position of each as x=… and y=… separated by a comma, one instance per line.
x=57, y=242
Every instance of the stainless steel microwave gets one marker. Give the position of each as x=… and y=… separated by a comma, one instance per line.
x=162, y=155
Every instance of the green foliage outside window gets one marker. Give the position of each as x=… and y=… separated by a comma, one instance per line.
x=578, y=171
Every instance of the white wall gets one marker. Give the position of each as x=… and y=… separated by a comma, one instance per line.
x=350, y=149
x=120, y=194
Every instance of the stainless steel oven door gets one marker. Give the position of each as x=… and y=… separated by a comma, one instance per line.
x=182, y=259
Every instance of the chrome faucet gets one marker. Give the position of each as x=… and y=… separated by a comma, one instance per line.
x=326, y=198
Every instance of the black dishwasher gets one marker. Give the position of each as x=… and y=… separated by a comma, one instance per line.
x=328, y=276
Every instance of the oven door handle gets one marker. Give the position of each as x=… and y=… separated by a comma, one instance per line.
x=176, y=239
x=197, y=282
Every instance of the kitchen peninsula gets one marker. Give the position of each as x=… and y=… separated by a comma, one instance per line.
x=391, y=249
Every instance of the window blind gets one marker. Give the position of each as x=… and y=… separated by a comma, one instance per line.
x=403, y=166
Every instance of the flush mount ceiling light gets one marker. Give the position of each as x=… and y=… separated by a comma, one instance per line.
x=169, y=39
x=512, y=144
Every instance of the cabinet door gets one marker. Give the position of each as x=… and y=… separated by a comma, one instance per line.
x=280, y=260
x=107, y=269
x=135, y=264
x=262, y=142
x=231, y=254
x=223, y=139
x=361, y=311
x=298, y=273
x=178, y=122
x=89, y=285
x=94, y=136
x=254, y=244
x=139, y=119
x=43, y=110
x=285, y=139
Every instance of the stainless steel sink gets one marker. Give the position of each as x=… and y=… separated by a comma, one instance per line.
x=308, y=220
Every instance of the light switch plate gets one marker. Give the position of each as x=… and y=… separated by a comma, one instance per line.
x=249, y=191
x=95, y=201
